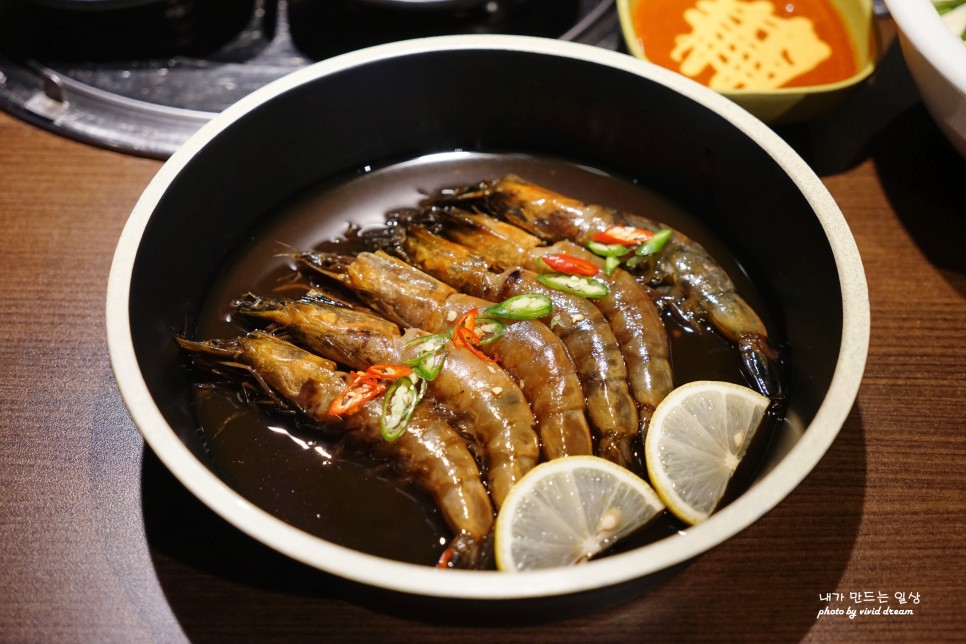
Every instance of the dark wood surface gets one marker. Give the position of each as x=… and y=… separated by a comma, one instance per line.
x=98, y=543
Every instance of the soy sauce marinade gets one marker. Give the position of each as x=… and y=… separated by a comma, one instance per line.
x=312, y=479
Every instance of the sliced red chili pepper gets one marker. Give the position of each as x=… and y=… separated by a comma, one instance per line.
x=360, y=390
x=388, y=371
x=570, y=265
x=464, y=335
x=446, y=558
x=466, y=321
x=625, y=235
x=466, y=338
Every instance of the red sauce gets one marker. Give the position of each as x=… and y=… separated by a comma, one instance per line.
x=658, y=23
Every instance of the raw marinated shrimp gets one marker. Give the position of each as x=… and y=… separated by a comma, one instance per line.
x=575, y=320
x=528, y=350
x=545, y=213
x=635, y=319
x=430, y=451
x=501, y=426
x=353, y=338
x=695, y=280
x=698, y=281
x=631, y=313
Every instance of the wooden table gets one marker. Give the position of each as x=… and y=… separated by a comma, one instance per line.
x=99, y=543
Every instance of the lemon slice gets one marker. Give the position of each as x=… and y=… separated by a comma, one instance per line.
x=696, y=439
x=569, y=509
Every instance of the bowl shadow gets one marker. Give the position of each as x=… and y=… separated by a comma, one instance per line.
x=913, y=153
x=886, y=121
x=847, y=136
x=218, y=581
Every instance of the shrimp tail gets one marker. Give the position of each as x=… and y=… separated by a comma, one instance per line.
x=761, y=365
x=617, y=448
x=467, y=552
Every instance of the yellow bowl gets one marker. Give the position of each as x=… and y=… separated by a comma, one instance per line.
x=792, y=104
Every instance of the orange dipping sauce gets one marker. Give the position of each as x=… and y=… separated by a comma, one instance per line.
x=747, y=44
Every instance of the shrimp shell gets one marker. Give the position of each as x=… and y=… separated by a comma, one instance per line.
x=501, y=426
x=633, y=317
x=695, y=279
x=430, y=451
x=575, y=320
x=637, y=323
x=528, y=350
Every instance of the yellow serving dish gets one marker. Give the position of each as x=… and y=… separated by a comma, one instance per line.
x=792, y=104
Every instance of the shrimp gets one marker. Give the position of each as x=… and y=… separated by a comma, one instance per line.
x=575, y=320
x=694, y=279
x=528, y=350
x=430, y=451
x=633, y=317
x=501, y=426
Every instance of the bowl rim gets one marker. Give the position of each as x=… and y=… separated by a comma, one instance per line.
x=921, y=25
x=424, y=580
x=624, y=10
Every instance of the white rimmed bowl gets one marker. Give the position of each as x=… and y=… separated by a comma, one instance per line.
x=937, y=61
x=494, y=94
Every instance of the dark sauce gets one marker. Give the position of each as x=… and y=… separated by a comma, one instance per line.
x=312, y=478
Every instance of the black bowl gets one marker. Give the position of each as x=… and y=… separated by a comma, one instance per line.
x=111, y=30
x=600, y=125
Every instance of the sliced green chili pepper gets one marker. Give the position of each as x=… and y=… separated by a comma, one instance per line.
x=430, y=366
x=489, y=330
x=611, y=262
x=655, y=243
x=526, y=306
x=575, y=284
x=607, y=250
x=398, y=406
x=636, y=260
x=431, y=354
